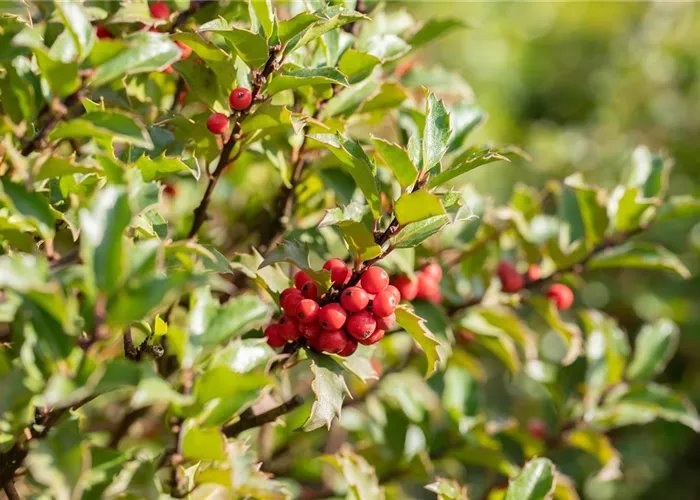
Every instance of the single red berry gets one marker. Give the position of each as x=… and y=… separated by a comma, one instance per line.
x=534, y=272
x=407, y=288
x=286, y=293
x=332, y=341
x=434, y=270
x=349, y=349
x=274, y=336
x=536, y=428
x=428, y=288
x=466, y=336
x=354, y=299
x=561, y=295
x=310, y=290
x=384, y=303
x=332, y=317
x=289, y=328
x=103, y=33
x=291, y=303
x=310, y=331
x=185, y=50
x=169, y=190
x=374, y=280
x=168, y=70
x=395, y=292
x=361, y=325
x=386, y=322
x=217, y=123
x=240, y=99
x=159, y=10
x=339, y=271
x=372, y=339
x=307, y=311
x=300, y=278
x=511, y=280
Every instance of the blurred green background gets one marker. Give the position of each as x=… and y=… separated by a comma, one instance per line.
x=579, y=86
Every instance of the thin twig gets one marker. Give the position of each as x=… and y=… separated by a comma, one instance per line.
x=251, y=420
x=11, y=491
x=200, y=213
x=123, y=428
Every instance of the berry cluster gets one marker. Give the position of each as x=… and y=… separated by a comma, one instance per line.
x=512, y=282
x=336, y=324
x=426, y=286
x=240, y=100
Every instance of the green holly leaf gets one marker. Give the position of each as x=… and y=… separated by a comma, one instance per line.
x=433, y=29
x=448, y=489
x=627, y=209
x=290, y=28
x=329, y=389
x=57, y=166
x=250, y=47
x=358, y=165
x=418, y=206
x=535, y=481
x=386, y=47
x=78, y=24
x=416, y=233
x=264, y=14
x=31, y=206
x=654, y=347
x=62, y=77
x=202, y=443
x=398, y=160
x=638, y=255
x=111, y=125
x=331, y=18
x=356, y=65
x=474, y=158
x=390, y=95
x=145, y=52
x=301, y=77
x=436, y=132
x=590, y=205
x=415, y=325
x=220, y=63
x=679, y=206
x=156, y=168
x=649, y=172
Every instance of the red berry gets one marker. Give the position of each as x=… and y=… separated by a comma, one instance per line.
x=350, y=348
x=534, y=272
x=386, y=322
x=307, y=311
x=103, y=33
x=274, y=336
x=310, y=331
x=185, y=50
x=395, y=292
x=332, y=317
x=374, y=280
x=217, y=123
x=561, y=295
x=537, y=428
x=361, y=325
x=384, y=304
x=169, y=190
x=339, y=271
x=372, y=339
x=168, y=70
x=300, y=278
x=289, y=328
x=286, y=293
x=240, y=99
x=466, y=336
x=407, y=288
x=433, y=270
x=291, y=303
x=354, y=299
x=310, y=290
x=332, y=341
x=428, y=288
x=159, y=10
x=511, y=280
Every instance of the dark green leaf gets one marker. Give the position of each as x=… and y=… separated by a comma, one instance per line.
x=679, y=206
x=156, y=168
x=599, y=446
x=398, y=160
x=104, y=125
x=415, y=325
x=639, y=255
x=417, y=232
x=297, y=254
x=56, y=166
x=535, y=481
x=436, y=132
x=146, y=52
x=30, y=205
x=289, y=28
x=78, y=25
x=476, y=158
x=356, y=162
x=62, y=77
x=331, y=18
x=434, y=28
x=357, y=66
x=654, y=348
x=250, y=47
x=302, y=77
x=627, y=210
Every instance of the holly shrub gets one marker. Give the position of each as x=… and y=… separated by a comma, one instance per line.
x=241, y=258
